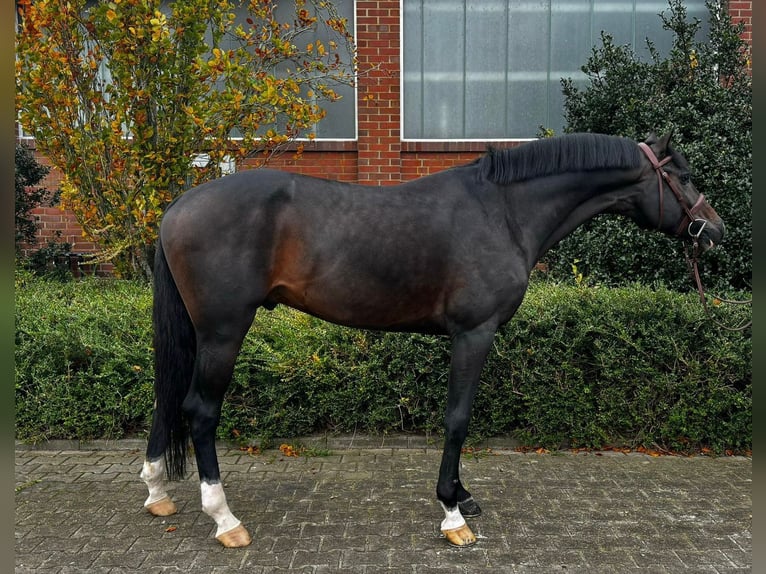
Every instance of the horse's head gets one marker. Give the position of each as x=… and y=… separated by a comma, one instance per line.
x=671, y=203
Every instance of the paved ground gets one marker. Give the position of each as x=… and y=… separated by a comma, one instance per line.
x=371, y=508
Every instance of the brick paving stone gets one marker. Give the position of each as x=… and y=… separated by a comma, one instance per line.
x=369, y=507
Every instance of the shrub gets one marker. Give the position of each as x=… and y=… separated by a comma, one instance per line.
x=83, y=358
x=702, y=91
x=45, y=260
x=577, y=366
x=28, y=174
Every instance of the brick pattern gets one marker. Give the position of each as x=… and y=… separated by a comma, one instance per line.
x=379, y=103
x=742, y=11
x=378, y=157
x=318, y=161
x=365, y=510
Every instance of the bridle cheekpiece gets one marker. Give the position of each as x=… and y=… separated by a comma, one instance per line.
x=688, y=222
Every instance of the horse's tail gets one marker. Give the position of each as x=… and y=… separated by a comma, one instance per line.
x=174, y=353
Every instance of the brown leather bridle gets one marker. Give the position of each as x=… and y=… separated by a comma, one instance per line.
x=689, y=213
x=687, y=224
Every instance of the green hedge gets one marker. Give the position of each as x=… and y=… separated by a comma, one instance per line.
x=577, y=366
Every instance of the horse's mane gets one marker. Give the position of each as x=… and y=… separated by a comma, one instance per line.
x=570, y=152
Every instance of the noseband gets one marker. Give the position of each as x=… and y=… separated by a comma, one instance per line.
x=688, y=222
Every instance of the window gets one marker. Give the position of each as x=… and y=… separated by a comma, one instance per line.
x=340, y=121
x=491, y=69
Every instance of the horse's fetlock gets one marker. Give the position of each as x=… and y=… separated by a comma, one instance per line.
x=447, y=495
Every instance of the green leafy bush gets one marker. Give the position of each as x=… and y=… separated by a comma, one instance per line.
x=702, y=91
x=49, y=259
x=577, y=366
x=29, y=173
x=84, y=365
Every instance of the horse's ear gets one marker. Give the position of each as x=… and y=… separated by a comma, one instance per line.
x=665, y=140
x=659, y=144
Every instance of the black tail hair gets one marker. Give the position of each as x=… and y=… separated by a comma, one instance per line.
x=175, y=348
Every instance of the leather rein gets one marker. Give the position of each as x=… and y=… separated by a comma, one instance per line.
x=688, y=225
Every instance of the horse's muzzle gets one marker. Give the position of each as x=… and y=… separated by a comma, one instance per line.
x=709, y=236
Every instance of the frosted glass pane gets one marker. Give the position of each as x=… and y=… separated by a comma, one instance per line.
x=527, y=107
x=340, y=121
x=528, y=32
x=412, y=110
x=485, y=109
x=486, y=32
x=486, y=63
x=570, y=36
x=615, y=18
x=444, y=68
x=443, y=36
x=443, y=106
x=649, y=25
x=555, y=115
x=412, y=68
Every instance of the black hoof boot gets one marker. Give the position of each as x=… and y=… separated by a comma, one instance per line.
x=469, y=508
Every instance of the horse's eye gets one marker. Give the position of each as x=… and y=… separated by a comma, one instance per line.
x=684, y=178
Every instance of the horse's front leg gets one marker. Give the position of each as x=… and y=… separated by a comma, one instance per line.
x=202, y=405
x=469, y=350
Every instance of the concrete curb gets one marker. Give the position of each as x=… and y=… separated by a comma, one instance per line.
x=327, y=441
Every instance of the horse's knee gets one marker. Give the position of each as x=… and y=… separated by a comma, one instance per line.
x=456, y=428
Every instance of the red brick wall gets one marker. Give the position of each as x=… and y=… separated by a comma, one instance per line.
x=322, y=159
x=742, y=11
x=378, y=157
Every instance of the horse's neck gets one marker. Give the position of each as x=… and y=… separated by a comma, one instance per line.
x=564, y=208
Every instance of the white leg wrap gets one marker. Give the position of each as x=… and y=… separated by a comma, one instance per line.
x=453, y=519
x=153, y=475
x=215, y=506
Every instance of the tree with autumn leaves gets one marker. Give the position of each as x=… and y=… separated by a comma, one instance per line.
x=136, y=101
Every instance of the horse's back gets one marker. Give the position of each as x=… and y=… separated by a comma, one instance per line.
x=248, y=207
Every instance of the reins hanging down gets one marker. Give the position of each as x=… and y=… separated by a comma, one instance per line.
x=691, y=261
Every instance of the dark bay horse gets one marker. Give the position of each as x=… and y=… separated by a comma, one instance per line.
x=449, y=253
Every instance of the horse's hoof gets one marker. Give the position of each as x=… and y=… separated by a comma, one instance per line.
x=235, y=538
x=460, y=537
x=469, y=508
x=163, y=507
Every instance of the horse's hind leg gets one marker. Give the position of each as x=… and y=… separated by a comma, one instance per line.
x=153, y=474
x=159, y=502
x=216, y=354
